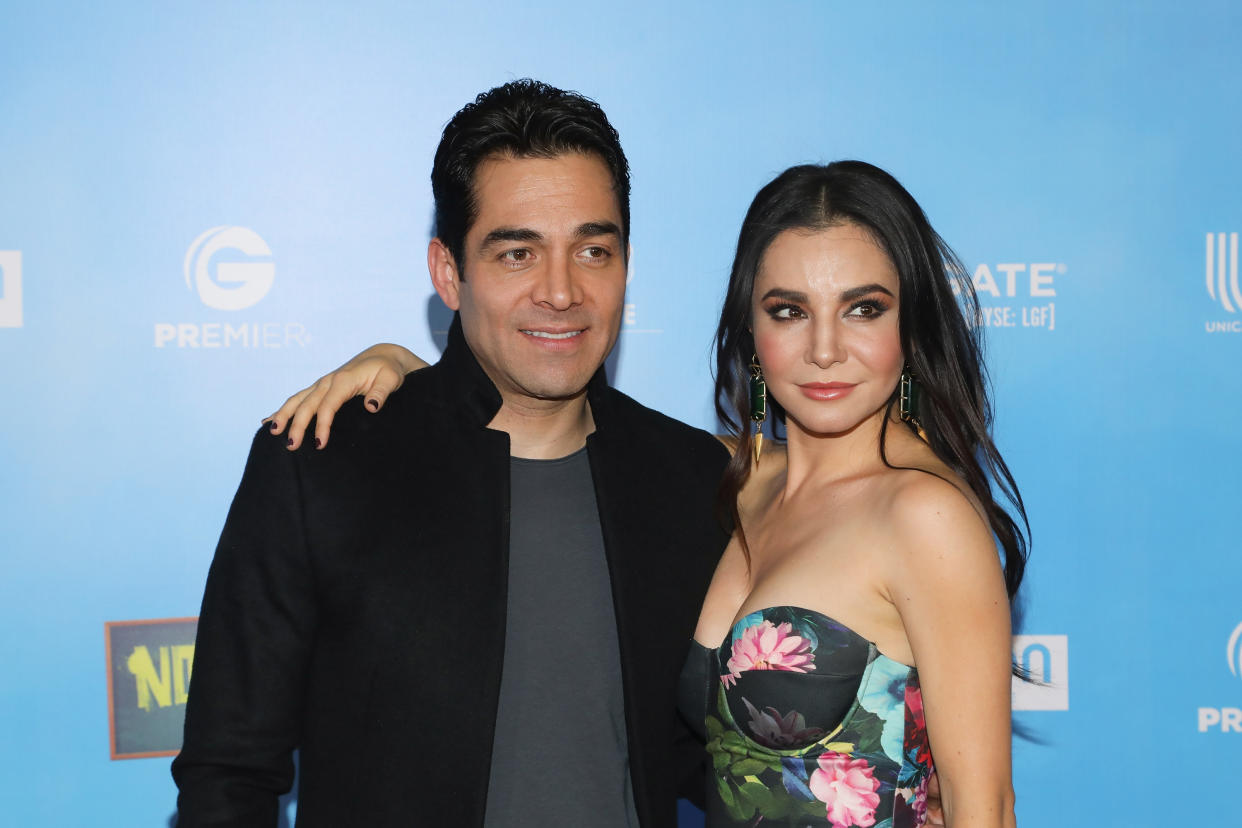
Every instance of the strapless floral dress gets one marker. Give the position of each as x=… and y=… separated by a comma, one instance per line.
x=807, y=724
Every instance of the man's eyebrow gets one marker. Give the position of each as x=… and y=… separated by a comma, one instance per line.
x=510, y=234
x=597, y=228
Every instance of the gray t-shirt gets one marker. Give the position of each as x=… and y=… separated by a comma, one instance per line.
x=560, y=755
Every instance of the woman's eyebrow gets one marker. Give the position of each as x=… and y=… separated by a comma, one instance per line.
x=848, y=295
x=787, y=295
x=861, y=291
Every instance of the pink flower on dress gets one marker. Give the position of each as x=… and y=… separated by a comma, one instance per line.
x=765, y=646
x=776, y=731
x=919, y=803
x=848, y=787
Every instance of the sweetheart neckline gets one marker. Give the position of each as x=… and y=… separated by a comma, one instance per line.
x=728, y=635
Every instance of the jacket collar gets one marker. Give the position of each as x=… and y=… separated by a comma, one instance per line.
x=473, y=391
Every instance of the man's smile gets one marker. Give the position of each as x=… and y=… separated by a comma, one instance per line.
x=553, y=334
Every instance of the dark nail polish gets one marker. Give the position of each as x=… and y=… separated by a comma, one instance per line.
x=373, y=405
x=318, y=443
x=289, y=442
x=273, y=425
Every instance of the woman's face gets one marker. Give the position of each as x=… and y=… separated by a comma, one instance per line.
x=824, y=318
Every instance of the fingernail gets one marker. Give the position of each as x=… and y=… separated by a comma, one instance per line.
x=272, y=425
x=373, y=405
x=289, y=442
x=318, y=443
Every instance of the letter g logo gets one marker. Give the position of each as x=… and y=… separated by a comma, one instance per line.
x=237, y=285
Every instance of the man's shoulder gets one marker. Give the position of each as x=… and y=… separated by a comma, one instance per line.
x=417, y=398
x=658, y=430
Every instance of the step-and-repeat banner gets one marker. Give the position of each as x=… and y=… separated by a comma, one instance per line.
x=204, y=206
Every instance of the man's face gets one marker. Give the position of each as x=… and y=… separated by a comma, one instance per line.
x=544, y=274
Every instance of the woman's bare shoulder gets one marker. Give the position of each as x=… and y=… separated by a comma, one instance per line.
x=933, y=516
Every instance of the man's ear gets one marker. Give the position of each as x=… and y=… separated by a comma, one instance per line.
x=444, y=275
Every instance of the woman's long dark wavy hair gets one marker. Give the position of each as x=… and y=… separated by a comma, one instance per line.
x=937, y=303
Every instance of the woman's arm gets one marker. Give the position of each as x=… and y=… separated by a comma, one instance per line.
x=376, y=373
x=947, y=585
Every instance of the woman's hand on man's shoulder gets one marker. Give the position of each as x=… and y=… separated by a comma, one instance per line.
x=375, y=373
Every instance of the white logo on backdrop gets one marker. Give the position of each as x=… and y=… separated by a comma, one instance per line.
x=1017, y=294
x=1233, y=651
x=1046, y=659
x=1222, y=261
x=10, y=288
x=1221, y=279
x=1226, y=719
x=236, y=285
x=230, y=285
x=629, y=313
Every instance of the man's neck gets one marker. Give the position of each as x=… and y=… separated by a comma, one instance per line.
x=544, y=429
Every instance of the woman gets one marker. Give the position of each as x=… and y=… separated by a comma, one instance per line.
x=869, y=547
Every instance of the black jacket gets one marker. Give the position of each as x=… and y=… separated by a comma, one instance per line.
x=355, y=609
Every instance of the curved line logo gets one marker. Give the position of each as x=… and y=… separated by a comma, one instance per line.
x=10, y=288
x=1233, y=651
x=1222, y=261
x=236, y=285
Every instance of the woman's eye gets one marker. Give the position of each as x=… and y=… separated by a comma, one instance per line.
x=867, y=310
x=785, y=312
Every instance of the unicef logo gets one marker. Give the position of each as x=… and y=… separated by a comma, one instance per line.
x=236, y=285
x=1222, y=262
x=1233, y=651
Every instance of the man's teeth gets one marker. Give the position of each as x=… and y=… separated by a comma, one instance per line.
x=547, y=335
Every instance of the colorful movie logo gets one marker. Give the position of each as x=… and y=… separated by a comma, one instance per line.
x=149, y=666
x=10, y=288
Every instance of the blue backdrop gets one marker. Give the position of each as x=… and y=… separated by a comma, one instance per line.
x=1082, y=158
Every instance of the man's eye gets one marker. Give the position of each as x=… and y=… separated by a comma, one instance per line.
x=516, y=256
x=596, y=252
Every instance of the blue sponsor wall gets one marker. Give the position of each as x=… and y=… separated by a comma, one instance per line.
x=1082, y=158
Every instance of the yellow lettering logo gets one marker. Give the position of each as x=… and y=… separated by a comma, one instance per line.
x=167, y=685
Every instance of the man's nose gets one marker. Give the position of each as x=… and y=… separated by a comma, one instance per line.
x=556, y=284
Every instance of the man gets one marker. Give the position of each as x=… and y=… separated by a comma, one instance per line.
x=473, y=609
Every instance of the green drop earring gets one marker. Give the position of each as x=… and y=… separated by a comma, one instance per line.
x=908, y=402
x=758, y=404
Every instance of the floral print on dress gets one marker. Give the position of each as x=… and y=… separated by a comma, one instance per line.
x=812, y=726
x=770, y=728
x=848, y=787
x=768, y=646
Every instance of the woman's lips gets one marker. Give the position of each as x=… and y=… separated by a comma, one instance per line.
x=826, y=390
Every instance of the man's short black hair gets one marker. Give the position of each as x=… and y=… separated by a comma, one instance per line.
x=522, y=119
